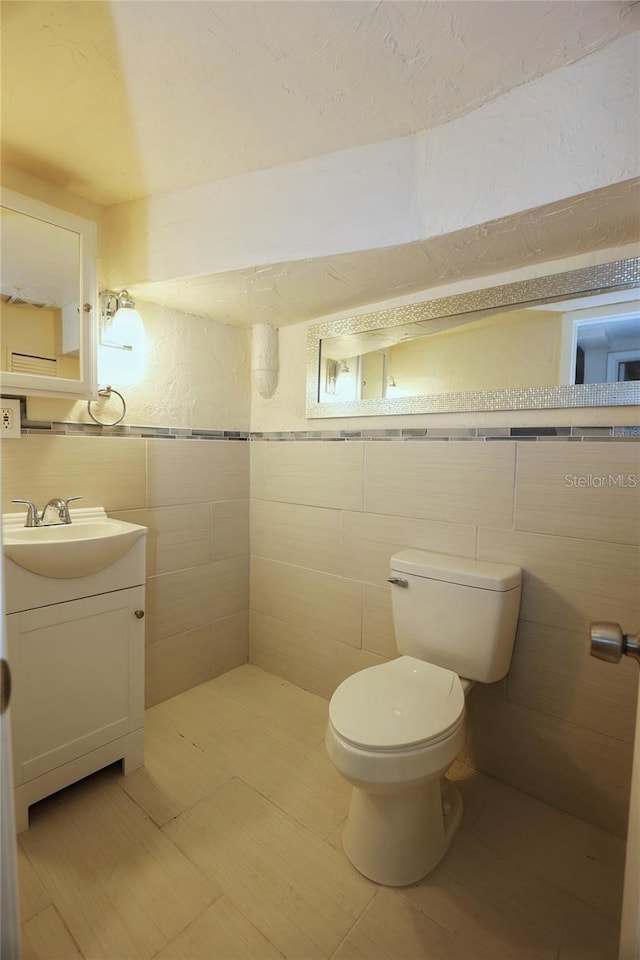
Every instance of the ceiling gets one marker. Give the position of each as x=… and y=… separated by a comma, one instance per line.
x=288, y=293
x=115, y=101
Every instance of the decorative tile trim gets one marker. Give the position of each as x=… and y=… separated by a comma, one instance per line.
x=54, y=428
x=482, y=434
x=413, y=434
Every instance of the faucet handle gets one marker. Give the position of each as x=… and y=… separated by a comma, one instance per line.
x=33, y=518
x=66, y=502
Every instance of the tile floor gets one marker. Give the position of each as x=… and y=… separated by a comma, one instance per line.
x=227, y=846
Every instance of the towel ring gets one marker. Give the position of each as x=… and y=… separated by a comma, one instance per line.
x=106, y=392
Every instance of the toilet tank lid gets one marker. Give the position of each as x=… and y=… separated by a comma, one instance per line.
x=470, y=573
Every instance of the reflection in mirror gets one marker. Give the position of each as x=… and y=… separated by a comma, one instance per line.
x=491, y=349
x=566, y=342
x=47, y=300
x=39, y=297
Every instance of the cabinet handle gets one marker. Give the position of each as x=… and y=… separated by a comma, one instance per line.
x=139, y=614
x=5, y=685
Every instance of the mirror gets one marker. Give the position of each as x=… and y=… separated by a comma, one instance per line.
x=568, y=340
x=47, y=300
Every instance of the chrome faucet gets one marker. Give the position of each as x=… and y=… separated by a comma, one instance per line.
x=57, y=507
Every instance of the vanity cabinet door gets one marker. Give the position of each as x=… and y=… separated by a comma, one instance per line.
x=78, y=679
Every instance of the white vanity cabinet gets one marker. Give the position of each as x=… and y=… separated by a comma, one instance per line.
x=76, y=651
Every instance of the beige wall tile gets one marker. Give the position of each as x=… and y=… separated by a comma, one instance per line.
x=178, y=602
x=181, y=601
x=295, y=653
x=552, y=671
x=377, y=622
x=106, y=473
x=293, y=533
x=454, y=482
x=350, y=660
x=178, y=536
x=190, y=471
x=326, y=605
x=178, y=663
x=230, y=525
x=550, y=497
x=586, y=773
x=370, y=540
x=318, y=474
x=568, y=583
x=230, y=642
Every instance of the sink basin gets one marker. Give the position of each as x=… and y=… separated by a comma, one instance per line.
x=88, y=544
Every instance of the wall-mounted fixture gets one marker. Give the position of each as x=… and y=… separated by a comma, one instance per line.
x=120, y=322
x=264, y=358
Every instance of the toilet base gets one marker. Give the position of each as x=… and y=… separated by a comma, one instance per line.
x=397, y=838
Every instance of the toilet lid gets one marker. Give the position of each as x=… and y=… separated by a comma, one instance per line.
x=397, y=704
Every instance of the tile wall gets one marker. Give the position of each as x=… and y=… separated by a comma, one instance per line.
x=192, y=494
x=326, y=516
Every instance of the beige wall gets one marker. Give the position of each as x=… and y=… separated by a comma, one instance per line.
x=193, y=497
x=36, y=331
x=195, y=375
x=326, y=517
x=518, y=349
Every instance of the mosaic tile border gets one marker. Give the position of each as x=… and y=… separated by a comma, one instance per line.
x=55, y=428
x=572, y=434
x=483, y=434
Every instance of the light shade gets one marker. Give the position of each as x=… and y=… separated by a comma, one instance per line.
x=126, y=329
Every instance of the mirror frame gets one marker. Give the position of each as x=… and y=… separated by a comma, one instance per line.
x=618, y=275
x=41, y=386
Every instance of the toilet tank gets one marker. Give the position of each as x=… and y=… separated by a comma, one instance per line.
x=456, y=613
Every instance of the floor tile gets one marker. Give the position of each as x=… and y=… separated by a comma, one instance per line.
x=299, y=779
x=589, y=935
x=301, y=714
x=556, y=847
x=176, y=773
x=120, y=886
x=485, y=929
x=45, y=937
x=392, y=929
x=33, y=896
x=249, y=862
x=300, y=893
x=220, y=933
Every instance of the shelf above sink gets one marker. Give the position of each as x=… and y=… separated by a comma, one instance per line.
x=91, y=542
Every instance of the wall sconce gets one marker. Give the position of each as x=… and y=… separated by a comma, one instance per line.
x=120, y=323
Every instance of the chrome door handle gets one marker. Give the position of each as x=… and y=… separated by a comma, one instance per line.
x=609, y=643
x=398, y=582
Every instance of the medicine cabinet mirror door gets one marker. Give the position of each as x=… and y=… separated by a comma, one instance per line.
x=48, y=298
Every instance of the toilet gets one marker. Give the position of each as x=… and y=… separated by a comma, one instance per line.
x=395, y=729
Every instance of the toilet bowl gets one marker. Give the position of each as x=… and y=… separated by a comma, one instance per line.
x=395, y=729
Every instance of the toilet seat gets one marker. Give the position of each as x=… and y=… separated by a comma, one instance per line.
x=401, y=705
